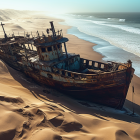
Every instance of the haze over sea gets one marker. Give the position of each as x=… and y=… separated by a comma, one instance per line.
x=117, y=35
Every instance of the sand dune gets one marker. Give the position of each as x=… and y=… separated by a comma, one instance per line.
x=3, y=18
x=9, y=13
x=23, y=120
x=33, y=112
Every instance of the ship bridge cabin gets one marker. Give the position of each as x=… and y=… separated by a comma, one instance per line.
x=50, y=51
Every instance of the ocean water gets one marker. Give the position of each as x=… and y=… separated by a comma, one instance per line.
x=117, y=35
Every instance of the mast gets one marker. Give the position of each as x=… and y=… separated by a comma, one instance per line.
x=52, y=29
x=4, y=31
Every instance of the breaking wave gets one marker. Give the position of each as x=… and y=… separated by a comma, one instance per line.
x=116, y=19
x=122, y=27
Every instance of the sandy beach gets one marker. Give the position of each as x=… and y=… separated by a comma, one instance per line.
x=33, y=112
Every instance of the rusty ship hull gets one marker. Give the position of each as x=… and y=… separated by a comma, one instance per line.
x=111, y=92
x=109, y=89
x=98, y=82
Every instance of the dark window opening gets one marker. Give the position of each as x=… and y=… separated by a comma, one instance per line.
x=43, y=49
x=69, y=74
x=58, y=46
x=54, y=47
x=66, y=63
x=49, y=49
x=63, y=73
x=72, y=60
x=12, y=45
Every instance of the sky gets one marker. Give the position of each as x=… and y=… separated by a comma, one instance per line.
x=73, y=6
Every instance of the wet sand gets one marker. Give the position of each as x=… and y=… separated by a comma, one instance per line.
x=33, y=112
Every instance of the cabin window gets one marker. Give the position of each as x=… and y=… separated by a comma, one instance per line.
x=43, y=49
x=49, y=49
x=90, y=63
x=96, y=64
x=84, y=61
x=58, y=46
x=54, y=47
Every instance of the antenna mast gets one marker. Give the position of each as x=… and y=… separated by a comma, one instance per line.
x=4, y=31
x=53, y=29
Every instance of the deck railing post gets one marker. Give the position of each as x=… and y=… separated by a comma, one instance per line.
x=93, y=63
x=32, y=46
x=10, y=49
x=87, y=63
x=29, y=47
x=60, y=72
x=82, y=61
x=72, y=75
x=99, y=65
x=25, y=51
x=66, y=73
x=106, y=67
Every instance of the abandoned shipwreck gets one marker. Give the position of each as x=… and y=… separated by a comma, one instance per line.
x=98, y=82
